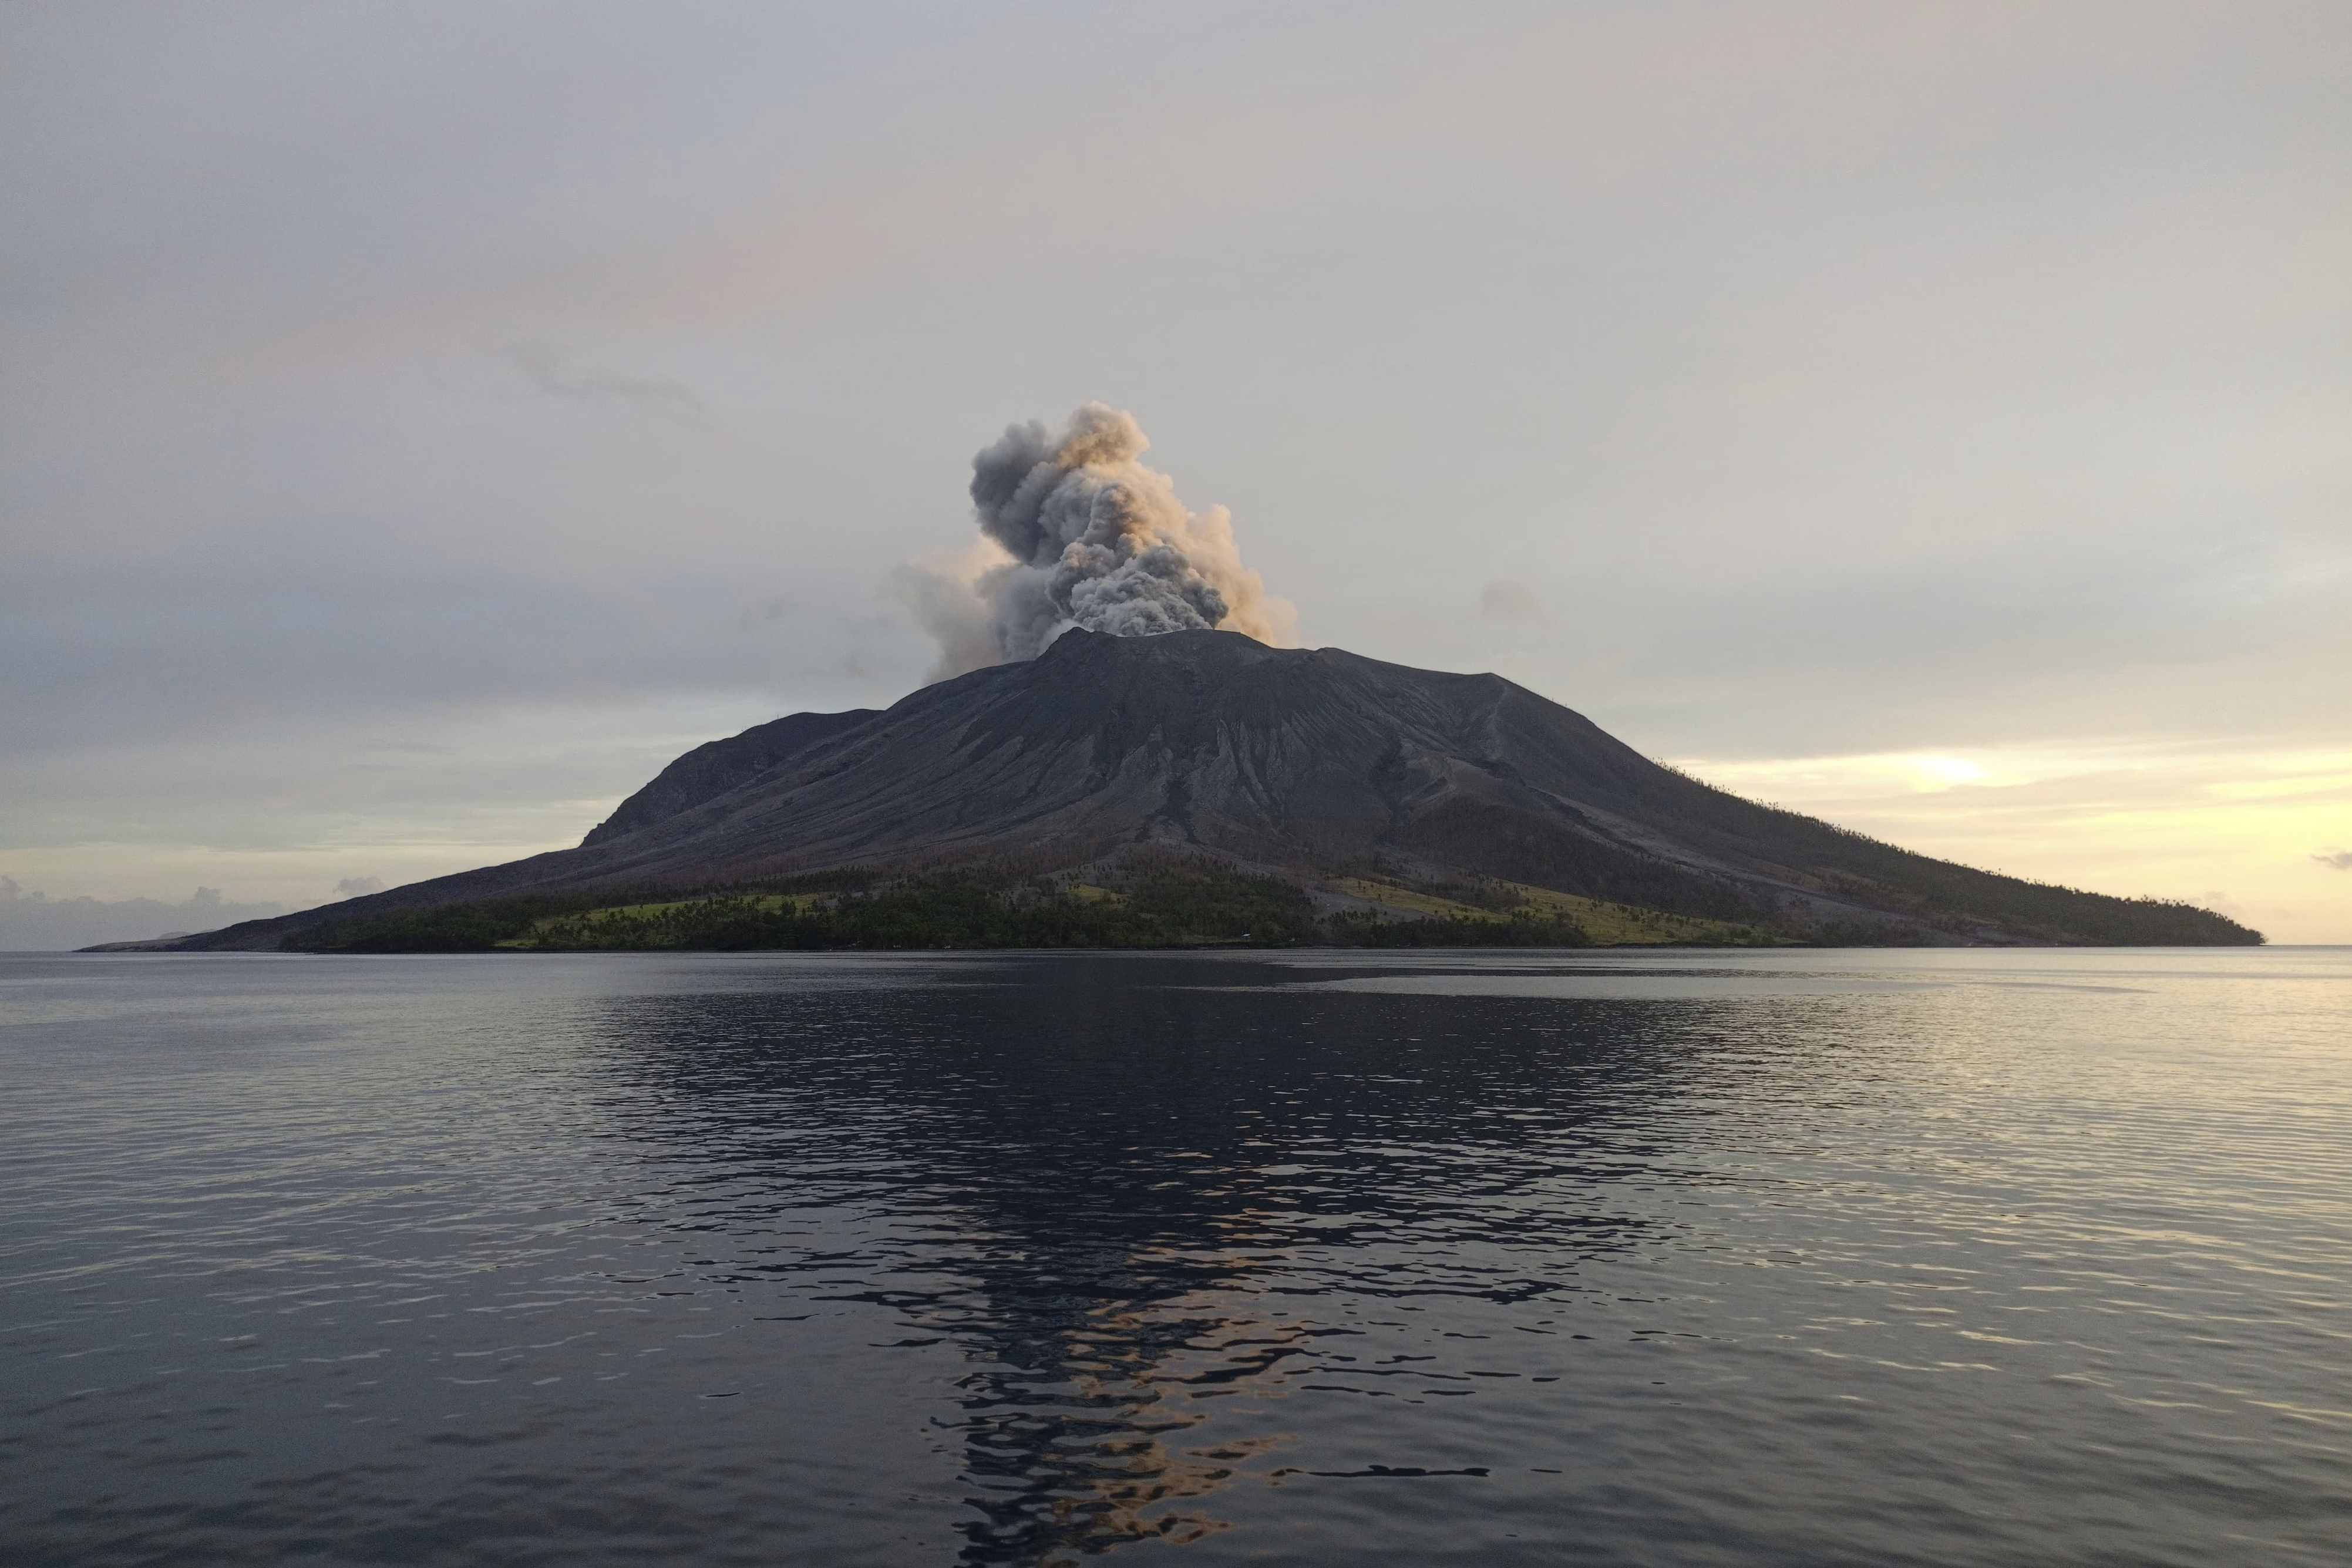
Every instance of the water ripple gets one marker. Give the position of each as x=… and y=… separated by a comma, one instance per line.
x=1946, y=1257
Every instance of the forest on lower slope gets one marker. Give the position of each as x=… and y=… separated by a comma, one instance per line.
x=1176, y=903
x=1173, y=906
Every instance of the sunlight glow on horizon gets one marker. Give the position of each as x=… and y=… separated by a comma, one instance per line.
x=2240, y=833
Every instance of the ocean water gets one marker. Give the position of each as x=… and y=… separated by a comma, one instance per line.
x=1675, y=1257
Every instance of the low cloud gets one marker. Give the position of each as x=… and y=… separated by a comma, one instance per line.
x=356, y=887
x=556, y=371
x=2334, y=859
x=1502, y=600
x=309, y=622
x=36, y=922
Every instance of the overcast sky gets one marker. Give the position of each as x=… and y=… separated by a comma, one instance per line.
x=418, y=422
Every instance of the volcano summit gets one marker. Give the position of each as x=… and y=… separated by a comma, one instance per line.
x=1361, y=787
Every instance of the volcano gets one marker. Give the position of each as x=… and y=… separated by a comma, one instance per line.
x=1314, y=765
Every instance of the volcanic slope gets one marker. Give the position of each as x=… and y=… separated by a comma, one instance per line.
x=1314, y=763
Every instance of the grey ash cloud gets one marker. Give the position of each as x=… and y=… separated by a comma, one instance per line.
x=1080, y=533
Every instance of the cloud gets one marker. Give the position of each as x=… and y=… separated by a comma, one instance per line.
x=2334, y=859
x=555, y=371
x=35, y=922
x=1502, y=601
x=355, y=886
x=331, y=620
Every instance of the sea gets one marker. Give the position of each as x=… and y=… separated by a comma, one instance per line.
x=1668, y=1257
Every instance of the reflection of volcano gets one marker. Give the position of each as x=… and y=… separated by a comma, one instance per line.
x=1135, y=1203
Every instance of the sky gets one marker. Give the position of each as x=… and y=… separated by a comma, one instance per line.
x=420, y=422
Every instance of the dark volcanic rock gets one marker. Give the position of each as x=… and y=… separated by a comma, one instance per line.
x=1313, y=761
x=714, y=768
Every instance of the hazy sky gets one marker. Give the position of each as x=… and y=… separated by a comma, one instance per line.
x=418, y=423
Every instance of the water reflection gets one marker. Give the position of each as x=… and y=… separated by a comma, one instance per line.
x=639, y=1259
x=1134, y=1198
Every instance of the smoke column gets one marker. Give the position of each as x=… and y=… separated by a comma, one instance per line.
x=1078, y=533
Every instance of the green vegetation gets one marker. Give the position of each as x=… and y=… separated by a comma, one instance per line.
x=1531, y=909
x=1413, y=901
x=1167, y=902
x=662, y=924
x=1626, y=925
x=1174, y=905
x=1168, y=908
x=519, y=922
x=450, y=928
x=1526, y=928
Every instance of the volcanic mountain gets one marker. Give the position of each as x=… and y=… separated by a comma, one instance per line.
x=1309, y=764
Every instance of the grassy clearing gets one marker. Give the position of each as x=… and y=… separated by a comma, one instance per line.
x=766, y=903
x=583, y=921
x=1388, y=895
x=1431, y=920
x=1609, y=924
x=1623, y=925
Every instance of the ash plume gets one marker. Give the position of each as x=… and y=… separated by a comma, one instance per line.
x=1077, y=533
